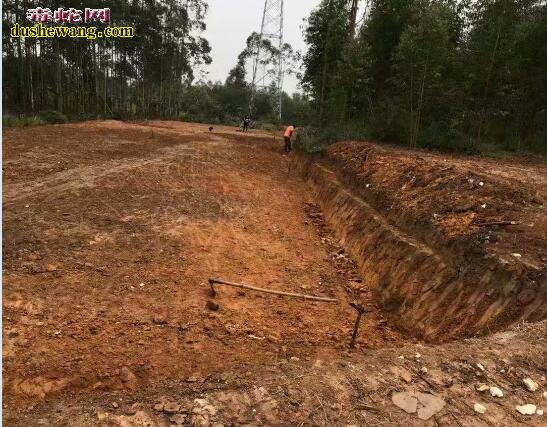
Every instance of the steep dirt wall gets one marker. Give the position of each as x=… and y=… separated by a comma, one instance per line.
x=433, y=287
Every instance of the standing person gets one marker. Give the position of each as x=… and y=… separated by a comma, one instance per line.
x=287, y=137
x=246, y=123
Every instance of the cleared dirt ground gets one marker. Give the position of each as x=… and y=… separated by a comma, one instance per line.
x=111, y=231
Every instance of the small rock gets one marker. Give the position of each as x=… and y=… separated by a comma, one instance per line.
x=530, y=384
x=528, y=409
x=517, y=255
x=158, y=407
x=480, y=367
x=51, y=267
x=402, y=373
x=159, y=319
x=423, y=370
x=115, y=405
x=545, y=394
x=295, y=359
x=171, y=408
x=482, y=387
x=539, y=412
x=405, y=401
x=496, y=392
x=178, y=419
x=211, y=305
x=430, y=405
x=480, y=409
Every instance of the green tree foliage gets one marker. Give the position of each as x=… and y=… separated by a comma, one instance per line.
x=144, y=76
x=448, y=74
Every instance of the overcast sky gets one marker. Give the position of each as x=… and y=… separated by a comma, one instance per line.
x=230, y=22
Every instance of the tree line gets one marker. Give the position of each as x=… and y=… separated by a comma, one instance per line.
x=447, y=74
x=152, y=75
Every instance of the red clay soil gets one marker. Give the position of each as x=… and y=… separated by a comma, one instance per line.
x=111, y=231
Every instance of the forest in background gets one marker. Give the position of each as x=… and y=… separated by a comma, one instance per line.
x=445, y=74
x=152, y=75
x=456, y=75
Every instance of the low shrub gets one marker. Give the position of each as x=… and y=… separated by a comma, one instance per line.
x=52, y=117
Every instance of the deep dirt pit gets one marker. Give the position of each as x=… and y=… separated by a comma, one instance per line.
x=111, y=231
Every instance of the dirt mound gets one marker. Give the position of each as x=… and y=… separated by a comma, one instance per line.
x=450, y=249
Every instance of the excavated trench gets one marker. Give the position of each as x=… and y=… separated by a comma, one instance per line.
x=429, y=286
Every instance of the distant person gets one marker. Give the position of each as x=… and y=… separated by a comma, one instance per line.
x=246, y=123
x=287, y=137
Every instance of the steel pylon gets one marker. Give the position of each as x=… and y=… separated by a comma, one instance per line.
x=268, y=71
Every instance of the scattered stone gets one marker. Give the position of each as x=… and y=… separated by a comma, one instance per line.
x=496, y=392
x=480, y=409
x=430, y=405
x=295, y=359
x=211, y=305
x=128, y=378
x=159, y=319
x=539, y=412
x=51, y=267
x=528, y=409
x=402, y=373
x=171, y=408
x=178, y=419
x=530, y=384
x=418, y=355
x=480, y=367
x=158, y=407
x=405, y=401
x=545, y=394
x=423, y=370
x=517, y=255
x=482, y=387
x=115, y=405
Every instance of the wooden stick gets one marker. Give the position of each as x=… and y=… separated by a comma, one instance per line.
x=270, y=291
x=360, y=311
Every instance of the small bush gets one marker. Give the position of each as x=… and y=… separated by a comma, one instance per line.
x=52, y=117
x=10, y=121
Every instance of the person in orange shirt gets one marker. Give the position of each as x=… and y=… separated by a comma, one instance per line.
x=287, y=136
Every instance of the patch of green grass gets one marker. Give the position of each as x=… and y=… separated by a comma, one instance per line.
x=52, y=117
x=10, y=121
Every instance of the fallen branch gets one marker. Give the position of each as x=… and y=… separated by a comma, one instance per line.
x=268, y=291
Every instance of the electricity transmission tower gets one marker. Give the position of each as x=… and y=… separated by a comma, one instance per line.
x=268, y=68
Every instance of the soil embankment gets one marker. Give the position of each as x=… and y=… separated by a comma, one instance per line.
x=451, y=248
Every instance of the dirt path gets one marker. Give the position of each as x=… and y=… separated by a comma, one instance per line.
x=106, y=262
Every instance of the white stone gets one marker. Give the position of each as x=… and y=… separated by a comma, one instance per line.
x=479, y=408
x=496, y=392
x=530, y=384
x=528, y=409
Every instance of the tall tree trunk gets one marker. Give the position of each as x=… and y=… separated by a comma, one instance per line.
x=482, y=116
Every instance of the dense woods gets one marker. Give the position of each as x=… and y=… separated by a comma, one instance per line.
x=141, y=76
x=438, y=73
x=448, y=74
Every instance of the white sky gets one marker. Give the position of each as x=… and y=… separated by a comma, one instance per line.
x=230, y=22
